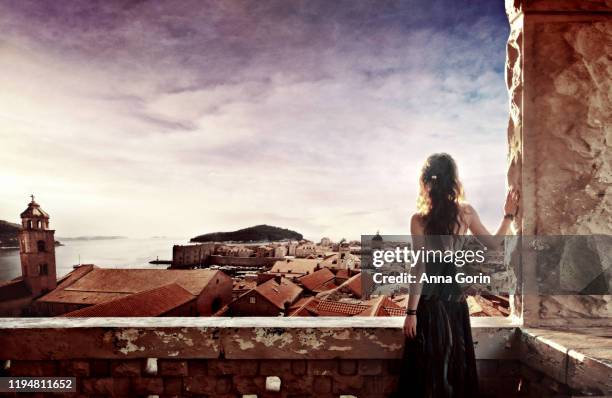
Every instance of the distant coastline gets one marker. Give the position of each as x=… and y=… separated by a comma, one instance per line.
x=15, y=246
x=9, y=236
x=75, y=238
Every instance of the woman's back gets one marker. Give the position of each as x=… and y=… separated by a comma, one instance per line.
x=439, y=352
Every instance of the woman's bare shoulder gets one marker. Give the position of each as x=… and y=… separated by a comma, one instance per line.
x=417, y=222
x=417, y=218
x=467, y=211
x=466, y=208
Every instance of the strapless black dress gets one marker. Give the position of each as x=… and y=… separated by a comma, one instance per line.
x=440, y=362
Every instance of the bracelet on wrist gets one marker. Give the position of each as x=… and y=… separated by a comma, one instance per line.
x=411, y=312
x=509, y=217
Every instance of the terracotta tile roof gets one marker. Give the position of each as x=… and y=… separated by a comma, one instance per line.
x=243, y=285
x=137, y=280
x=74, y=275
x=296, y=266
x=13, y=290
x=305, y=306
x=386, y=306
x=401, y=300
x=329, y=285
x=353, y=285
x=374, y=307
x=382, y=306
x=279, y=293
x=390, y=311
x=313, y=306
x=342, y=273
x=104, y=284
x=79, y=297
x=327, y=307
x=316, y=279
x=154, y=302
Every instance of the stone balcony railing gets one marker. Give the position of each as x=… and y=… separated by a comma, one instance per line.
x=323, y=357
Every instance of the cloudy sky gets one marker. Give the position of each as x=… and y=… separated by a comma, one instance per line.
x=177, y=118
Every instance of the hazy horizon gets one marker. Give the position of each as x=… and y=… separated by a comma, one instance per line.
x=181, y=118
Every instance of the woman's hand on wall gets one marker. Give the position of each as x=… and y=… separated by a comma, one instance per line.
x=512, y=202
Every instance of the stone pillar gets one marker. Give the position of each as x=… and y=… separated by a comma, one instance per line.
x=559, y=77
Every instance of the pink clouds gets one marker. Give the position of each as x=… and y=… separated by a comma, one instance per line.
x=314, y=116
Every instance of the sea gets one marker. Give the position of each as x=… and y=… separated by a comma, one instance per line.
x=106, y=253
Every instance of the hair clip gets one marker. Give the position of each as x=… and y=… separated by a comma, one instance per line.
x=434, y=177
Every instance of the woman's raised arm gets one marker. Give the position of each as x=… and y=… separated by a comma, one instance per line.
x=481, y=232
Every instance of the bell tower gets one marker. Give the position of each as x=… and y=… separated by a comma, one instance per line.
x=37, y=250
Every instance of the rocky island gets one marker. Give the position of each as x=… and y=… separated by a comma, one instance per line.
x=8, y=234
x=258, y=233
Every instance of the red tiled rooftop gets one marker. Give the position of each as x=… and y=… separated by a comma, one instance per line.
x=304, y=307
x=401, y=300
x=329, y=285
x=137, y=280
x=316, y=279
x=154, y=302
x=104, y=284
x=279, y=293
x=241, y=285
x=13, y=290
x=382, y=306
x=295, y=266
x=392, y=311
x=326, y=307
x=312, y=306
x=353, y=285
x=74, y=275
x=80, y=297
x=342, y=273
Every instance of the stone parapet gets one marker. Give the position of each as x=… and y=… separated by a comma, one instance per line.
x=326, y=357
x=230, y=338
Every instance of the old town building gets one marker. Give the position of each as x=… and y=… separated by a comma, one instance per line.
x=271, y=298
x=89, y=285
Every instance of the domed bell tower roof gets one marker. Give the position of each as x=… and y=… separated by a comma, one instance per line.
x=34, y=211
x=377, y=237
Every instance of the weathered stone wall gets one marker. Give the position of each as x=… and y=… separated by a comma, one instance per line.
x=229, y=357
x=578, y=359
x=323, y=378
x=559, y=77
x=185, y=256
x=243, y=261
x=225, y=357
x=222, y=378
